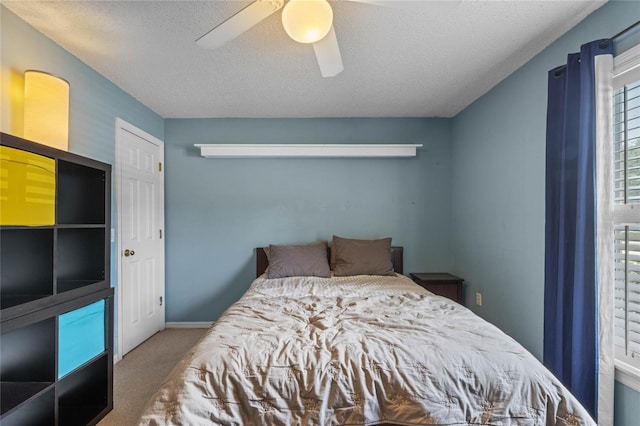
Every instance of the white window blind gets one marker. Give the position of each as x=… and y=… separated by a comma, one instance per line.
x=627, y=293
x=626, y=144
x=625, y=219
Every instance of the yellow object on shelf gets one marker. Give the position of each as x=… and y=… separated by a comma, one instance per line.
x=27, y=188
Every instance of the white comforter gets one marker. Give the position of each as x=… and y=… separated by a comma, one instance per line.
x=358, y=351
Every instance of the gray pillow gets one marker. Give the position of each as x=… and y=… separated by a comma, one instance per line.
x=361, y=257
x=302, y=260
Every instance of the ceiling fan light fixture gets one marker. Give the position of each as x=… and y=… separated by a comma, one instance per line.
x=307, y=21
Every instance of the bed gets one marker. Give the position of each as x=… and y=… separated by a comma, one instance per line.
x=357, y=350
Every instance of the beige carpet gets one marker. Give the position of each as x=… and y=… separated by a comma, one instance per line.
x=139, y=374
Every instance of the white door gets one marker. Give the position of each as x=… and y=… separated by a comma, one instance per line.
x=140, y=201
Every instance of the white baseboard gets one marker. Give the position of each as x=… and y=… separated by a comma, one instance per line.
x=188, y=324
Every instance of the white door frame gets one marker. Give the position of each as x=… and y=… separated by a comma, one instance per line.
x=123, y=126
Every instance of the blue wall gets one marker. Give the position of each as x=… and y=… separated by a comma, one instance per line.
x=627, y=406
x=498, y=177
x=498, y=159
x=219, y=210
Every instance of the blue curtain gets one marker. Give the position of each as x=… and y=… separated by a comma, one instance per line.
x=570, y=293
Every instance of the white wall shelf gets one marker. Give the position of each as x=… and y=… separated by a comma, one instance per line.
x=307, y=150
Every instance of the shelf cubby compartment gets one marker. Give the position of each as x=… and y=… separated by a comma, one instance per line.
x=81, y=336
x=80, y=255
x=81, y=194
x=40, y=411
x=83, y=395
x=26, y=256
x=27, y=363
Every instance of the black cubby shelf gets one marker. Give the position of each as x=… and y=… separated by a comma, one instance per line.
x=55, y=229
x=39, y=410
x=84, y=394
x=43, y=264
x=81, y=193
x=30, y=360
x=25, y=371
x=26, y=271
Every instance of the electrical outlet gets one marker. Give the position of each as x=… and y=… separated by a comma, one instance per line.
x=479, y=299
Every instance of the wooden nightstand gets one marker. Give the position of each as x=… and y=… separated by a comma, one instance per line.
x=440, y=283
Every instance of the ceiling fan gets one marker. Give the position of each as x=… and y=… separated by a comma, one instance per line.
x=305, y=21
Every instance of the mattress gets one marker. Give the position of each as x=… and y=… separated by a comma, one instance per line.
x=360, y=350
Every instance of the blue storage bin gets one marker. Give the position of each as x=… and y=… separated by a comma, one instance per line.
x=81, y=336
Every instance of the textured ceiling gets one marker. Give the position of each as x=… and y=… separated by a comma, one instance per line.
x=420, y=59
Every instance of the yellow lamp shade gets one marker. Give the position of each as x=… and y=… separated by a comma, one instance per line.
x=307, y=21
x=46, y=109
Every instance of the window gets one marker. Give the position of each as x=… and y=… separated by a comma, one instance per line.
x=627, y=293
x=626, y=143
x=624, y=220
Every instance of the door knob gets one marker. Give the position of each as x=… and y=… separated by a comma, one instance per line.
x=128, y=253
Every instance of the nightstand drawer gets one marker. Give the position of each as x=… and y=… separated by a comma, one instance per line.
x=440, y=283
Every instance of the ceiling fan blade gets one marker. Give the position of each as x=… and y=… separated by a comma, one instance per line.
x=328, y=55
x=407, y=4
x=238, y=23
x=375, y=2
